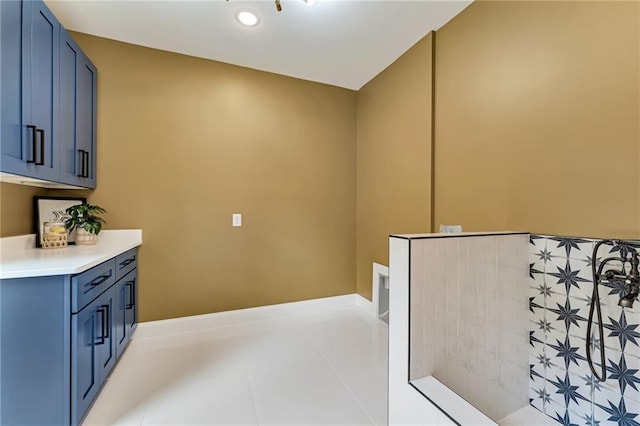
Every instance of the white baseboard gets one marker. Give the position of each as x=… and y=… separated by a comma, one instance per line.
x=366, y=304
x=279, y=311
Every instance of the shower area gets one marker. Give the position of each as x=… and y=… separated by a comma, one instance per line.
x=505, y=328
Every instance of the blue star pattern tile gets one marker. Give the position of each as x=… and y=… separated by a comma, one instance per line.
x=543, y=360
x=533, y=269
x=538, y=396
x=573, y=248
x=536, y=263
x=534, y=373
x=533, y=339
x=559, y=297
x=590, y=420
x=567, y=314
x=570, y=277
x=620, y=250
x=626, y=333
x=565, y=419
x=543, y=325
x=534, y=304
x=625, y=376
x=568, y=390
x=617, y=412
x=567, y=352
x=544, y=255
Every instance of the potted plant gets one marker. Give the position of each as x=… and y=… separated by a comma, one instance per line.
x=86, y=219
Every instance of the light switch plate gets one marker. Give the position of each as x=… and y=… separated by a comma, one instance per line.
x=236, y=219
x=450, y=228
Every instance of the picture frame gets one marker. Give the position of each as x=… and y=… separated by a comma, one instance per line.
x=46, y=209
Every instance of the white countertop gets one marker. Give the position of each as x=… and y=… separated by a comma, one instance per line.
x=20, y=259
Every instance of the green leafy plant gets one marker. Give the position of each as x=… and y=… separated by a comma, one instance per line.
x=85, y=216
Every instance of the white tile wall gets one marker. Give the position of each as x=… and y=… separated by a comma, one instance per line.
x=481, y=317
x=469, y=320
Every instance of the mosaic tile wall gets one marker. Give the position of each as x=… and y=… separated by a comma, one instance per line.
x=561, y=383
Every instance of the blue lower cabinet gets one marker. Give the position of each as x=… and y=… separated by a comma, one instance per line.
x=56, y=352
x=131, y=307
x=126, y=311
x=122, y=337
x=35, y=328
x=93, y=351
x=84, y=352
x=106, y=341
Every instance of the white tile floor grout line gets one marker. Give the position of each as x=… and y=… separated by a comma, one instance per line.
x=253, y=400
x=342, y=381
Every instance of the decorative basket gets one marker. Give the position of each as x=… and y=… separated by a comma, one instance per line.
x=54, y=240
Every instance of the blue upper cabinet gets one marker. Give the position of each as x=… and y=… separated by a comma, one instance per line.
x=47, y=120
x=77, y=116
x=13, y=154
x=40, y=45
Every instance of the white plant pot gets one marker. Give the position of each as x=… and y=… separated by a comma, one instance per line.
x=85, y=238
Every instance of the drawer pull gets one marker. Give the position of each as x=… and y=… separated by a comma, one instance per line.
x=82, y=167
x=107, y=325
x=85, y=163
x=102, y=311
x=127, y=262
x=41, y=162
x=100, y=279
x=34, y=141
x=132, y=300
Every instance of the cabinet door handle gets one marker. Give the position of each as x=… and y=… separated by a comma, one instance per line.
x=81, y=152
x=127, y=262
x=107, y=324
x=101, y=339
x=41, y=162
x=132, y=293
x=33, y=143
x=100, y=279
x=86, y=164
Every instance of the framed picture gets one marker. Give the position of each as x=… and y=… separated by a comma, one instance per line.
x=52, y=209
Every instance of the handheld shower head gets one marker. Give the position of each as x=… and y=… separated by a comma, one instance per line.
x=631, y=283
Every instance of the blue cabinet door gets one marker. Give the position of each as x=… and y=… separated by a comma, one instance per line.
x=93, y=351
x=86, y=333
x=86, y=101
x=77, y=115
x=106, y=351
x=40, y=67
x=131, y=308
x=122, y=336
x=70, y=157
x=12, y=154
x=126, y=309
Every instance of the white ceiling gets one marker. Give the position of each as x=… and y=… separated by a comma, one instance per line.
x=339, y=42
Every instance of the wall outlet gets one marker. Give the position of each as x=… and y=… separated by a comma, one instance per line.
x=450, y=228
x=236, y=219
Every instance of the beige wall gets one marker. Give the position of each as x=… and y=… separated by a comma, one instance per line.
x=185, y=142
x=394, y=157
x=16, y=208
x=537, y=128
x=537, y=118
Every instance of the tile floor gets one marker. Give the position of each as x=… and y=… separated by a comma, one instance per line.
x=323, y=368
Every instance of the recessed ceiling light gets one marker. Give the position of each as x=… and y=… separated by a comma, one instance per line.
x=247, y=18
